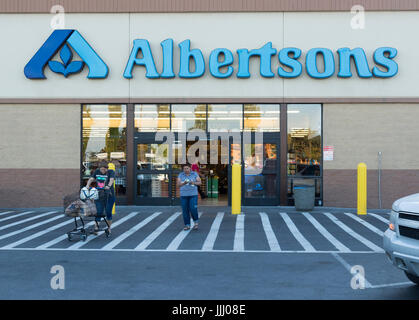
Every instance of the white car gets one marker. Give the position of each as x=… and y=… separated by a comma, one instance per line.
x=401, y=239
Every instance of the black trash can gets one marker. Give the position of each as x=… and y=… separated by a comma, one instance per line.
x=304, y=197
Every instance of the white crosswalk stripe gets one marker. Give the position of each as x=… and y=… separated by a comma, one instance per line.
x=60, y=238
x=16, y=216
x=36, y=235
x=239, y=235
x=357, y=236
x=174, y=245
x=365, y=224
x=338, y=245
x=4, y=213
x=33, y=226
x=131, y=231
x=213, y=233
x=153, y=236
x=270, y=234
x=296, y=233
x=56, y=239
x=91, y=237
x=26, y=220
x=379, y=217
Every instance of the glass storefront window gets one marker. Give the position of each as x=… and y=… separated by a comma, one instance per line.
x=104, y=138
x=152, y=185
x=152, y=157
x=152, y=117
x=259, y=159
x=304, y=139
x=186, y=117
x=253, y=158
x=270, y=157
x=225, y=117
x=235, y=152
x=260, y=186
x=261, y=117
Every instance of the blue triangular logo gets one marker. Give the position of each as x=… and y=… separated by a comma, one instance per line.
x=65, y=39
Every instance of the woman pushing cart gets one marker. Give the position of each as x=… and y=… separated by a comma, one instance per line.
x=104, y=178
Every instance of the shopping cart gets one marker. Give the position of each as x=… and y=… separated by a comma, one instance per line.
x=76, y=208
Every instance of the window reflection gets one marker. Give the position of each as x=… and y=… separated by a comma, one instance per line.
x=260, y=177
x=186, y=117
x=152, y=117
x=261, y=117
x=152, y=157
x=225, y=117
x=235, y=153
x=104, y=138
x=304, y=139
x=152, y=185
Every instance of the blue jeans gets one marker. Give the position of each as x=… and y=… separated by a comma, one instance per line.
x=189, y=205
x=105, y=204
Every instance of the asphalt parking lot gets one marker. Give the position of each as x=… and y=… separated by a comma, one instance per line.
x=265, y=253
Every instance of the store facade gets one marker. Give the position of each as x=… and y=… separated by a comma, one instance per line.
x=294, y=94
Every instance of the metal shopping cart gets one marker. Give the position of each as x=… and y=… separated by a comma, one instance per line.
x=76, y=208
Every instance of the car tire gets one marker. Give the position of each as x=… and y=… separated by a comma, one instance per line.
x=412, y=277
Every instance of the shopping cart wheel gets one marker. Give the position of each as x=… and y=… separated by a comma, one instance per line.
x=69, y=236
x=107, y=232
x=84, y=237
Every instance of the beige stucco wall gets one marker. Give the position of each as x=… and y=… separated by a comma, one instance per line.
x=359, y=131
x=40, y=136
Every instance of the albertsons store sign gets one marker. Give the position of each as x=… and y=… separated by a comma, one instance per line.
x=319, y=62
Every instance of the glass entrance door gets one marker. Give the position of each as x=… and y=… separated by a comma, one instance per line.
x=153, y=174
x=212, y=157
x=260, y=171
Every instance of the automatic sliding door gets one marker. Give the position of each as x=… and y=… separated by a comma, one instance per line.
x=153, y=173
x=261, y=173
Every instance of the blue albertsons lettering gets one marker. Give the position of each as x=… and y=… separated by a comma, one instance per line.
x=221, y=60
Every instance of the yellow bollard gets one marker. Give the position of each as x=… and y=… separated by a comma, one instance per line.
x=236, y=188
x=362, y=188
x=111, y=166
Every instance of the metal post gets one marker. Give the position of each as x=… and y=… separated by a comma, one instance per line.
x=362, y=188
x=111, y=166
x=380, y=154
x=236, y=188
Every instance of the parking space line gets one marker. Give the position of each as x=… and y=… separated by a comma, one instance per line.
x=174, y=245
x=26, y=220
x=270, y=235
x=91, y=237
x=379, y=217
x=296, y=233
x=391, y=285
x=131, y=231
x=239, y=234
x=355, y=235
x=365, y=224
x=29, y=227
x=336, y=243
x=36, y=235
x=16, y=216
x=213, y=233
x=4, y=213
x=153, y=236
